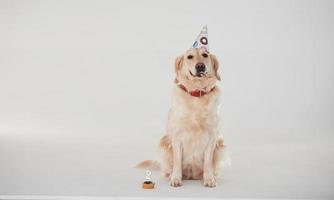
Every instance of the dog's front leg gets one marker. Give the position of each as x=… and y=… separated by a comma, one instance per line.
x=176, y=177
x=208, y=171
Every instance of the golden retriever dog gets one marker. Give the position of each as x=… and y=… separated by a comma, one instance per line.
x=192, y=146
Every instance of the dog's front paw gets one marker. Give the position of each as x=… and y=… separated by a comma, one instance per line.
x=210, y=181
x=175, y=181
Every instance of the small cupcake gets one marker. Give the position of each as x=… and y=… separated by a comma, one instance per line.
x=148, y=184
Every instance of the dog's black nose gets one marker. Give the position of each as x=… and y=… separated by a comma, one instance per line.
x=200, y=67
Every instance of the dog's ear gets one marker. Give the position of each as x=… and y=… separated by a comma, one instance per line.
x=178, y=63
x=215, y=64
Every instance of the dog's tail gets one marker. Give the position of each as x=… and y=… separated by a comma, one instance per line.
x=149, y=164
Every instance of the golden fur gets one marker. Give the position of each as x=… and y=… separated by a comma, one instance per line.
x=192, y=146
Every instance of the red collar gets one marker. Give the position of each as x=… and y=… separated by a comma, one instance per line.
x=195, y=93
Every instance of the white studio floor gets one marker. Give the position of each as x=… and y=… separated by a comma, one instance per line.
x=97, y=165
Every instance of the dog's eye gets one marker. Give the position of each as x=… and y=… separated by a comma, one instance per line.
x=205, y=55
x=190, y=56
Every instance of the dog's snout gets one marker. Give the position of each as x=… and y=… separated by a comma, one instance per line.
x=200, y=67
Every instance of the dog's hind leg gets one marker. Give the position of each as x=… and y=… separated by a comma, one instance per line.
x=166, y=153
x=217, y=156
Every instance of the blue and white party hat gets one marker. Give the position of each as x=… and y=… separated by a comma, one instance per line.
x=202, y=39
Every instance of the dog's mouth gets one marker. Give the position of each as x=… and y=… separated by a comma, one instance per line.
x=199, y=74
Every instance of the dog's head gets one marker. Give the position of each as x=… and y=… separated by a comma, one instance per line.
x=197, y=65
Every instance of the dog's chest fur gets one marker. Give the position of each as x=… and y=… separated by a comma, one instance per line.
x=194, y=122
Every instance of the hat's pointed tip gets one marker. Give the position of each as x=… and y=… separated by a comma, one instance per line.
x=205, y=29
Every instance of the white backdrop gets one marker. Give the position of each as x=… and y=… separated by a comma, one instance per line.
x=85, y=88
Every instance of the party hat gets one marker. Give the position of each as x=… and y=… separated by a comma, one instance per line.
x=202, y=39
